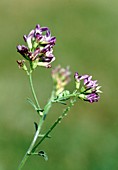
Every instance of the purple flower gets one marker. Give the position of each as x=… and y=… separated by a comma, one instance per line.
x=46, y=59
x=23, y=50
x=39, y=36
x=78, y=77
x=89, y=89
x=40, y=47
x=92, y=97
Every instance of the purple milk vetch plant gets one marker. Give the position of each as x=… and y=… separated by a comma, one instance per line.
x=38, y=51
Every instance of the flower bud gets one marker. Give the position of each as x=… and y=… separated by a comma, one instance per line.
x=21, y=64
x=77, y=81
x=61, y=77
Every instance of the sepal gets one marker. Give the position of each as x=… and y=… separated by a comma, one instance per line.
x=34, y=64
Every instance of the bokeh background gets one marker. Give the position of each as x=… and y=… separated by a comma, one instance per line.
x=87, y=41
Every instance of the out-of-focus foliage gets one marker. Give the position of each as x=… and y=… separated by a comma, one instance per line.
x=87, y=41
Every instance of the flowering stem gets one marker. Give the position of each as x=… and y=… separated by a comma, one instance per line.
x=33, y=145
x=33, y=92
x=39, y=126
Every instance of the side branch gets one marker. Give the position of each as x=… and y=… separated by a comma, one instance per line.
x=55, y=123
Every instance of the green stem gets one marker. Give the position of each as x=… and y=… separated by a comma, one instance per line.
x=45, y=112
x=31, y=146
x=48, y=105
x=56, y=122
x=46, y=109
x=33, y=92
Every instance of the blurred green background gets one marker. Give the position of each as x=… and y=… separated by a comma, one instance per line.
x=87, y=41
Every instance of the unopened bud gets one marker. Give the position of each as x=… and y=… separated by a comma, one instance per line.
x=21, y=64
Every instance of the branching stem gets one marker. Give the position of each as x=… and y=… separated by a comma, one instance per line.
x=33, y=145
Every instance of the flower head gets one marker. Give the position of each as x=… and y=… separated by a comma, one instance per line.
x=89, y=89
x=39, y=49
x=61, y=77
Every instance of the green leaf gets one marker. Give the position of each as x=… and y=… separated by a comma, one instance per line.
x=43, y=154
x=82, y=89
x=63, y=96
x=62, y=102
x=36, y=125
x=32, y=103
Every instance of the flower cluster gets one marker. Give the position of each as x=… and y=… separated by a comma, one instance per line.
x=39, y=52
x=61, y=77
x=39, y=49
x=89, y=89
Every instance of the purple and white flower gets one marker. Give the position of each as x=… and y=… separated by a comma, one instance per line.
x=89, y=89
x=39, y=36
x=40, y=46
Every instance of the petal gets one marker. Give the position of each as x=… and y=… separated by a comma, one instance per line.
x=44, y=29
x=48, y=34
